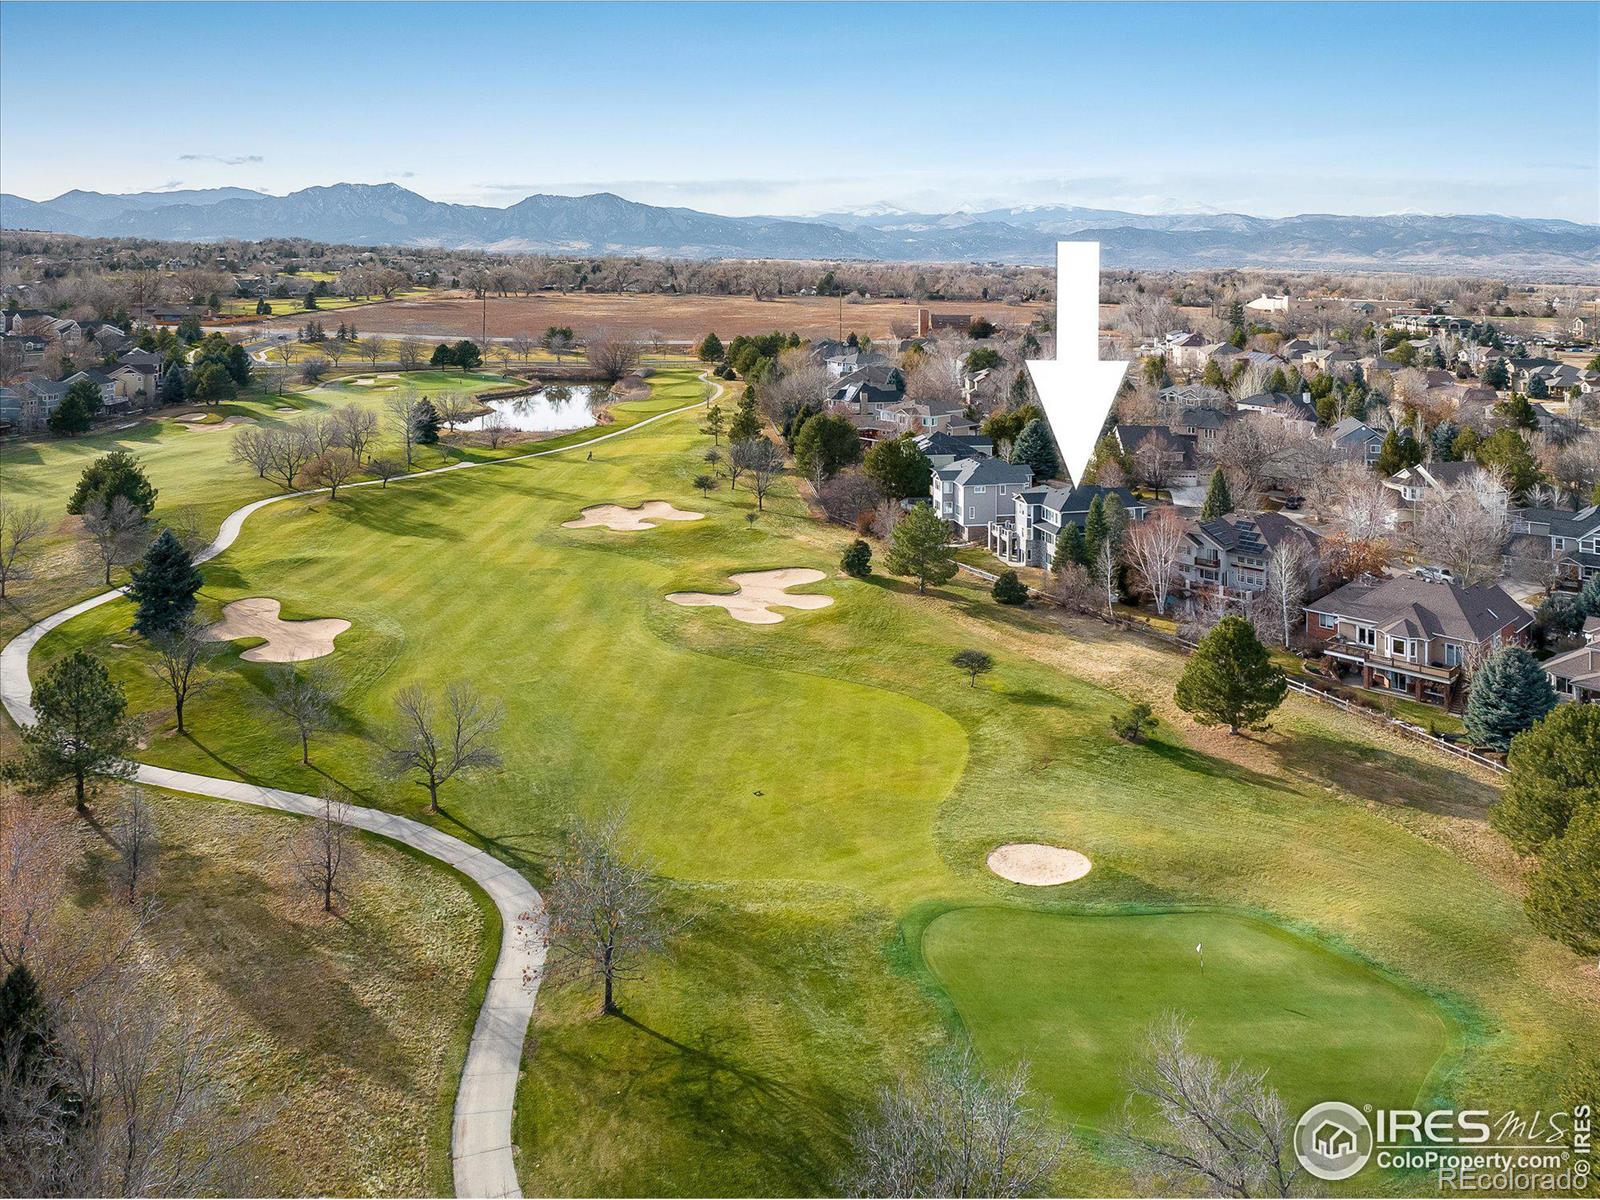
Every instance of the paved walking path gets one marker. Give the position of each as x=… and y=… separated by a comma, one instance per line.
x=481, y=1152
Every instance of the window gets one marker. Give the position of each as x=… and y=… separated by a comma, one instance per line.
x=972, y=513
x=1366, y=636
x=1327, y=621
x=979, y=490
x=1453, y=654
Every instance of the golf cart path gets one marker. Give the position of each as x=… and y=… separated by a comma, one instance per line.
x=481, y=1151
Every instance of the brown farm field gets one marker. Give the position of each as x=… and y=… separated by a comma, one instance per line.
x=673, y=318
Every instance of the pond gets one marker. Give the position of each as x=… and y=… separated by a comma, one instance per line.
x=557, y=407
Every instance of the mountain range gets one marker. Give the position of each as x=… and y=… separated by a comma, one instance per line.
x=387, y=214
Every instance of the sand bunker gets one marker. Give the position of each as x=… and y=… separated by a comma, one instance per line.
x=759, y=592
x=1037, y=865
x=287, y=641
x=198, y=422
x=630, y=520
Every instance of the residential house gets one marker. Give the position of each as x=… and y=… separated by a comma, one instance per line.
x=1177, y=455
x=1027, y=536
x=1268, y=304
x=1574, y=538
x=1193, y=395
x=1230, y=554
x=943, y=448
x=1576, y=674
x=1357, y=441
x=1203, y=424
x=1441, y=478
x=1281, y=405
x=1415, y=636
x=971, y=492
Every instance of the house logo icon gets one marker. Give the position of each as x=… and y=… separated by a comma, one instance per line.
x=1333, y=1140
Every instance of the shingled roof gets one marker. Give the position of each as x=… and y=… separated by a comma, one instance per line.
x=1408, y=606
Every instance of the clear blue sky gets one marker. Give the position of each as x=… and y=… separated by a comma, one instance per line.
x=1264, y=108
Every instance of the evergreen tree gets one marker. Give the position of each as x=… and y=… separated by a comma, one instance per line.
x=163, y=585
x=1035, y=447
x=1538, y=389
x=427, y=423
x=1094, y=529
x=1070, y=548
x=1443, y=440
x=71, y=417
x=29, y=1049
x=80, y=731
x=857, y=560
x=1494, y=375
x=1555, y=771
x=826, y=444
x=900, y=468
x=920, y=547
x=746, y=423
x=88, y=394
x=1230, y=678
x=1563, y=896
x=1008, y=589
x=444, y=355
x=1510, y=693
x=1219, y=501
x=467, y=356
x=174, y=387
x=115, y=474
x=1115, y=513
x=711, y=349
x=1589, y=597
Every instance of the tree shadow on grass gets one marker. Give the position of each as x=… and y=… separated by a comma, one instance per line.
x=272, y=968
x=1195, y=763
x=1385, y=777
x=398, y=517
x=514, y=849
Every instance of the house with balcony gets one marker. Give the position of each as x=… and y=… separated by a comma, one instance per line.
x=971, y=492
x=1413, y=636
x=1027, y=534
x=1230, y=555
x=1576, y=674
x=1574, y=539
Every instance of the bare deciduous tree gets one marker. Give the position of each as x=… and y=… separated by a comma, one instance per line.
x=434, y=741
x=1154, y=548
x=1224, y=1129
x=1290, y=567
x=402, y=410
x=323, y=850
x=611, y=356
x=1107, y=566
x=408, y=353
x=453, y=410
x=951, y=1129
x=1353, y=501
x=494, y=430
x=288, y=449
x=1072, y=588
x=20, y=527
x=305, y=699
x=606, y=912
x=354, y=428
x=761, y=459
x=116, y=531
x=332, y=469
x=386, y=469
x=134, y=837
x=1466, y=530
x=181, y=656
x=252, y=446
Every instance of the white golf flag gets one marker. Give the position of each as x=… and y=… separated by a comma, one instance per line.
x=1197, y=947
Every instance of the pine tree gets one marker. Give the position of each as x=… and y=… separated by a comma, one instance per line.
x=1230, y=678
x=1555, y=772
x=79, y=732
x=1035, y=447
x=1219, y=501
x=427, y=423
x=1070, y=548
x=115, y=474
x=746, y=422
x=1563, y=896
x=857, y=560
x=174, y=387
x=1589, y=597
x=71, y=417
x=1510, y=693
x=921, y=547
x=1094, y=529
x=163, y=585
x=1115, y=513
x=1008, y=589
x=711, y=349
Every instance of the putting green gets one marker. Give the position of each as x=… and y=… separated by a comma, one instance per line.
x=1075, y=995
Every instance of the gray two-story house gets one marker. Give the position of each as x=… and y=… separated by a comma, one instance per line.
x=970, y=492
x=1230, y=555
x=1027, y=535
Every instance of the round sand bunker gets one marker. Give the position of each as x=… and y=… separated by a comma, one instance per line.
x=1038, y=865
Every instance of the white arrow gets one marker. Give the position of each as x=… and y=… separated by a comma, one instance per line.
x=1076, y=387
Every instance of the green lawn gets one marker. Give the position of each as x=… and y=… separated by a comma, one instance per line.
x=816, y=792
x=1072, y=994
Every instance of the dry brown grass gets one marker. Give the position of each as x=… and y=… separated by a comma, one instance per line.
x=347, y=1031
x=675, y=318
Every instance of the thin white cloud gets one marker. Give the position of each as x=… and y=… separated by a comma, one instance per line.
x=226, y=160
